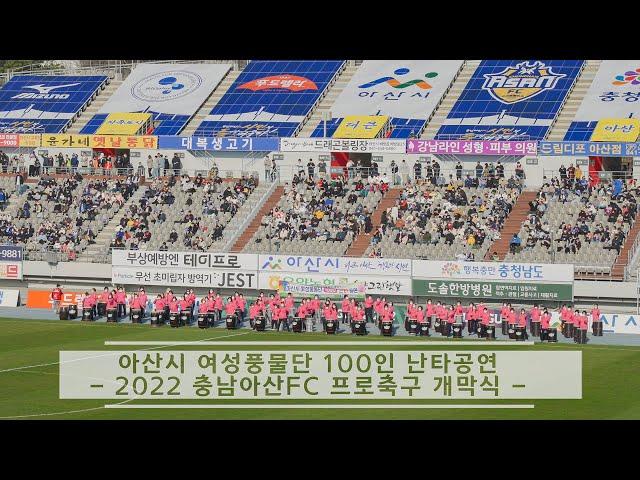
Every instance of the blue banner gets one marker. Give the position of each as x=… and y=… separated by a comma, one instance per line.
x=222, y=144
x=10, y=253
x=599, y=149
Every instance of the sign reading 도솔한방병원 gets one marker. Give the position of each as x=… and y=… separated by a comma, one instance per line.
x=320, y=374
x=493, y=290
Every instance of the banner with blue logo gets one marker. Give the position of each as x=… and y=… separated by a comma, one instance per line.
x=222, y=144
x=173, y=93
x=510, y=100
x=44, y=103
x=599, y=149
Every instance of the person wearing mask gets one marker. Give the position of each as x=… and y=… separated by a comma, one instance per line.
x=121, y=298
x=230, y=310
x=596, y=321
x=56, y=298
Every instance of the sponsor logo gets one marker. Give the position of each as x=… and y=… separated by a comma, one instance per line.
x=522, y=82
x=272, y=264
x=292, y=83
x=44, y=92
x=395, y=83
x=631, y=77
x=164, y=86
x=22, y=126
x=450, y=269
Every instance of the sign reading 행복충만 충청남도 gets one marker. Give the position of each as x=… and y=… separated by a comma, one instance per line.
x=499, y=280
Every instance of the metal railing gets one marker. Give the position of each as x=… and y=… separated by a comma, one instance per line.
x=603, y=176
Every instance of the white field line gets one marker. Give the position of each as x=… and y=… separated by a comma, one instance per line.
x=318, y=406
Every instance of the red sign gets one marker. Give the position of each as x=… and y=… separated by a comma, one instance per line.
x=9, y=140
x=292, y=83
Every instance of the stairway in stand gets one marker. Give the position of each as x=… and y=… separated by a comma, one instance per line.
x=617, y=272
x=362, y=241
x=253, y=227
x=512, y=225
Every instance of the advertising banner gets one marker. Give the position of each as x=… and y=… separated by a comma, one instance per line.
x=221, y=144
x=42, y=298
x=470, y=147
x=600, y=149
x=361, y=126
x=10, y=262
x=64, y=140
x=616, y=130
x=346, y=145
x=614, y=93
x=29, y=139
x=9, y=140
x=9, y=298
x=379, y=267
x=620, y=323
x=124, y=123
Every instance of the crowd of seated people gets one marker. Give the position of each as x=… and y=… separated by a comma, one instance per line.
x=616, y=200
x=426, y=214
x=299, y=217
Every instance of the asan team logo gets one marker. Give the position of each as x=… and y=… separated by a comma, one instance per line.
x=292, y=83
x=165, y=86
x=522, y=82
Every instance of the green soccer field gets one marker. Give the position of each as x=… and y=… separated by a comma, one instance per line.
x=29, y=377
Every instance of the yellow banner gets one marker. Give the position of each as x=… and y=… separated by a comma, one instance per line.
x=61, y=140
x=64, y=140
x=616, y=130
x=124, y=123
x=29, y=140
x=361, y=126
x=124, y=141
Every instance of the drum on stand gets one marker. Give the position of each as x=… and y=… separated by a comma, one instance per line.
x=112, y=315
x=296, y=324
x=309, y=323
x=360, y=327
x=413, y=327
x=259, y=324
x=387, y=329
x=136, y=316
x=231, y=322
x=73, y=312
x=407, y=323
x=102, y=309
x=64, y=313
x=552, y=335
x=437, y=325
x=203, y=320
x=87, y=314
x=505, y=327
x=490, y=332
x=521, y=333
x=424, y=329
x=185, y=318
x=480, y=330
x=174, y=319
x=457, y=330
x=512, y=332
x=155, y=319
x=330, y=327
x=444, y=328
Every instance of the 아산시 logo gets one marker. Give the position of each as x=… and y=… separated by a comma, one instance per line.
x=164, y=86
x=631, y=77
x=272, y=264
x=395, y=83
x=522, y=82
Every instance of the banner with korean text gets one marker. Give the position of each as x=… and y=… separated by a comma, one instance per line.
x=191, y=269
x=342, y=145
x=600, y=149
x=496, y=280
x=62, y=140
x=471, y=147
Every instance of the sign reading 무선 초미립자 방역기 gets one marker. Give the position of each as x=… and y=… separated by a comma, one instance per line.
x=472, y=147
x=220, y=144
x=333, y=285
x=500, y=280
x=342, y=145
x=191, y=269
x=10, y=262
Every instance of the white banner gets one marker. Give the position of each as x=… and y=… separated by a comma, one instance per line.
x=614, y=93
x=182, y=260
x=170, y=277
x=408, y=89
x=292, y=144
x=493, y=271
x=320, y=374
x=178, y=89
x=380, y=267
x=620, y=323
x=333, y=285
x=9, y=298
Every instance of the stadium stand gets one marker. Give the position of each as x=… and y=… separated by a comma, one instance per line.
x=491, y=108
x=440, y=222
x=319, y=217
x=405, y=91
x=46, y=103
x=571, y=223
x=271, y=98
x=94, y=107
x=194, y=213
